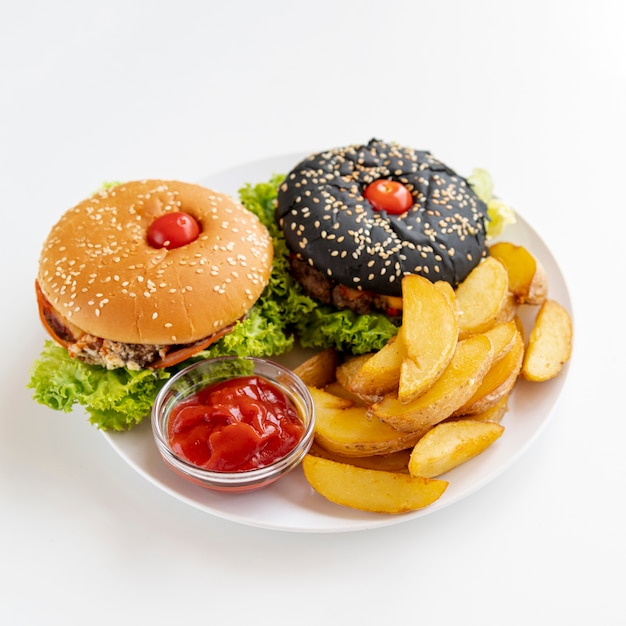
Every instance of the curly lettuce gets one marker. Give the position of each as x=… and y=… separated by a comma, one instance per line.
x=114, y=399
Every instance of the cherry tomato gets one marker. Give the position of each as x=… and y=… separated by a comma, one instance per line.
x=389, y=195
x=173, y=230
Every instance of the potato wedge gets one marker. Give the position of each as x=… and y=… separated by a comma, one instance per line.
x=549, y=343
x=508, y=310
x=392, y=462
x=520, y=327
x=412, y=382
x=503, y=337
x=429, y=333
x=350, y=430
x=494, y=413
x=319, y=370
x=447, y=291
x=348, y=369
x=498, y=381
x=457, y=384
x=380, y=373
x=347, y=372
x=481, y=297
x=337, y=389
x=450, y=444
x=528, y=280
x=370, y=490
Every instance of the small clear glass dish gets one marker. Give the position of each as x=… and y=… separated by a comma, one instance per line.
x=202, y=374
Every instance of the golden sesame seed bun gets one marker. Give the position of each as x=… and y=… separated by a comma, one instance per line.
x=101, y=276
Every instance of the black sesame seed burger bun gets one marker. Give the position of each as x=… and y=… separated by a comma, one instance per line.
x=100, y=278
x=330, y=226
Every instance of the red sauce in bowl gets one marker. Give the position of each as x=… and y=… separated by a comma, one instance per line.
x=236, y=425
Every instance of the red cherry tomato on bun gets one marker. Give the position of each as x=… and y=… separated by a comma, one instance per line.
x=389, y=195
x=173, y=230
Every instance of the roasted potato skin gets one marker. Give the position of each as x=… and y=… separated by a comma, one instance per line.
x=391, y=462
x=528, y=280
x=498, y=381
x=344, y=428
x=450, y=444
x=549, y=343
x=429, y=332
x=376, y=374
x=494, y=413
x=483, y=297
x=370, y=490
x=456, y=385
x=320, y=369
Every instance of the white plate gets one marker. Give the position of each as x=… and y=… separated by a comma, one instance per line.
x=290, y=504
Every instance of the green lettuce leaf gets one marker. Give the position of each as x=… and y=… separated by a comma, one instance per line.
x=499, y=213
x=326, y=327
x=283, y=300
x=114, y=399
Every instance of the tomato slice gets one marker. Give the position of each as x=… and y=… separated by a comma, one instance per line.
x=43, y=306
x=178, y=356
x=388, y=195
x=173, y=230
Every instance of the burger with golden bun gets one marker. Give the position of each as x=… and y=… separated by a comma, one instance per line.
x=139, y=278
x=147, y=273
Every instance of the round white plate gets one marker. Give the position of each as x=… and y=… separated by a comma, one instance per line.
x=290, y=504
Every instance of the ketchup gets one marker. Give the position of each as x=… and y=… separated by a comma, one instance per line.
x=236, y=425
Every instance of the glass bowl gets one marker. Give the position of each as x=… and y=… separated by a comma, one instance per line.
x=202, y=374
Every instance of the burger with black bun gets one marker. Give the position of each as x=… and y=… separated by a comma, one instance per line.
x=358, y=218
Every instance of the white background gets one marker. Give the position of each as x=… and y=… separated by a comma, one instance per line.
x=533, y=91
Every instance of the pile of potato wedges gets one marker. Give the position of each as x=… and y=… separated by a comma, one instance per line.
x=390, y=424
